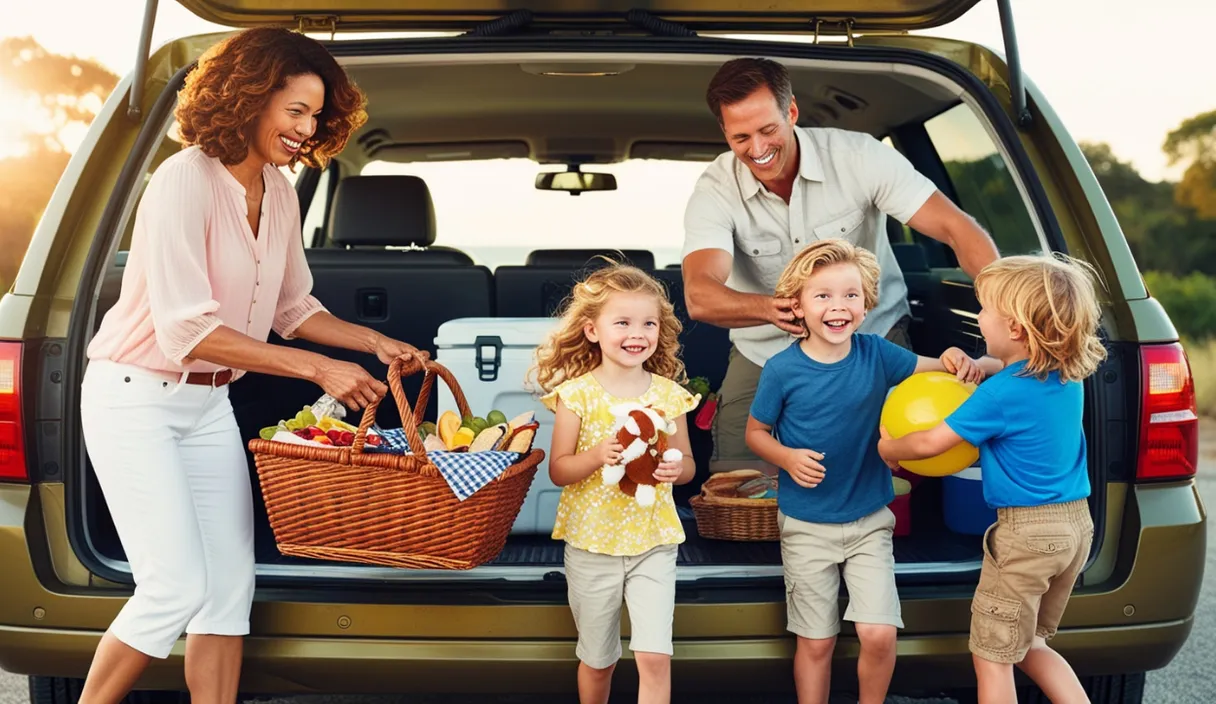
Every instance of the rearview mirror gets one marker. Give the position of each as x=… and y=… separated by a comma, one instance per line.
x=575, y=182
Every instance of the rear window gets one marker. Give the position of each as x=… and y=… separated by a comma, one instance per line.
x=492, y=210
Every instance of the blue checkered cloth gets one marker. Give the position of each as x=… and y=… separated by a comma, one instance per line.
x=464, y=472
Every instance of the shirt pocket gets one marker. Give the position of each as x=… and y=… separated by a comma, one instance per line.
x=844, y=226
x=759, y=246
x=763, y=254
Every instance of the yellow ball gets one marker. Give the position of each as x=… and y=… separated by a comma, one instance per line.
x=920, y=402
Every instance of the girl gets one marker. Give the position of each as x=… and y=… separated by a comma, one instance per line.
x=616, y=343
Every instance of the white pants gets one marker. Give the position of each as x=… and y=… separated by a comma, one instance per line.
x=173, y=472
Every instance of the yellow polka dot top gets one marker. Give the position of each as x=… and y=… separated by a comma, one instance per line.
x=601, y=518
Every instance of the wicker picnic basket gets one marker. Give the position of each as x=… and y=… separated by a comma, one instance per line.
x=397, y=510
x=721, y=515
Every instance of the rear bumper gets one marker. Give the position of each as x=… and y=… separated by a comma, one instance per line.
x=1133, y=615
x=313, y=665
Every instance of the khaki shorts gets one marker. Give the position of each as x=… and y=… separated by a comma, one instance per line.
x=597, y=584
x=1032, y=557
x=812, y=555
x=739, y=390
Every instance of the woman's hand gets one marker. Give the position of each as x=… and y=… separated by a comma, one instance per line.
x=349, y=383
x=387, y=349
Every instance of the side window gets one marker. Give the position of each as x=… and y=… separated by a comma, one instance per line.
x=318, y=209
x=981, y=180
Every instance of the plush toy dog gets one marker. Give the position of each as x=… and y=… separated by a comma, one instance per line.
x=642, y=431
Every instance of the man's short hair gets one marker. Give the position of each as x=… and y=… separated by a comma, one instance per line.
x=739, y=78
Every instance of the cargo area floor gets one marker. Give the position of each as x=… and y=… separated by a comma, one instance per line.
x=930, y=542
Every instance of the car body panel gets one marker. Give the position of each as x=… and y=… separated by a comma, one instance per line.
x=461, y=15
x=50, y=628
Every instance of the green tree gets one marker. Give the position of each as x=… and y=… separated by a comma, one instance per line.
x=1194, y=141
x=70, y=92
x=1163, y=235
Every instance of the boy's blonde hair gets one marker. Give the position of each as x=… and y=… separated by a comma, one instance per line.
x=567, y=353
x=1053, y=299
x=825, y=253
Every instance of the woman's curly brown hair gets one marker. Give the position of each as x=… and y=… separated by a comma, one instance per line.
x=234, y=80
x=567, y=353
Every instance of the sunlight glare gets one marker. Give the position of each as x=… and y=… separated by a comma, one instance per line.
x=20, y=116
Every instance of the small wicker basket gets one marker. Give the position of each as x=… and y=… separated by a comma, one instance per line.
x=723, y=516
x=346, y=505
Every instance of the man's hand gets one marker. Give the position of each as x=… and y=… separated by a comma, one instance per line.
x=960, y=365
x=781, y=314
x=804, y=467
x=710, y=300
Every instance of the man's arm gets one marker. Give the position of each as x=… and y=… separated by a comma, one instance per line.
x=943, y=221
x=710, y=300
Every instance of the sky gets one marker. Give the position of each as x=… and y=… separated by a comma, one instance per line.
x=1111, y=72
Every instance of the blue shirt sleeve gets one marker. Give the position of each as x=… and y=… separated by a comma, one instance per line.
x=897, y=362
x=979, y=419
x=770, y=394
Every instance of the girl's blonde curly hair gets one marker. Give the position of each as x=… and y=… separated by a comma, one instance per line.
x=567, y=353
x=1054, y=300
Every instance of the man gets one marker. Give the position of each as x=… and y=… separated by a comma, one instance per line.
x=780, y=189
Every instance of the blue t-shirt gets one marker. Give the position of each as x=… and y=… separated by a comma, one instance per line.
x=1032, y=446
x=833, y=409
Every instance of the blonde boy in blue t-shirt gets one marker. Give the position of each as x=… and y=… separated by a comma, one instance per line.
x=815, y=415
x=1040, y=317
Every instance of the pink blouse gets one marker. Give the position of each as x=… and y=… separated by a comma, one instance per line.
x=194, y=265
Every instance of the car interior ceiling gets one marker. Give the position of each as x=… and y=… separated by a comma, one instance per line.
x=383, y=250
x=653, y=109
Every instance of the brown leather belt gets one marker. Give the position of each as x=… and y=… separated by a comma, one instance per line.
x=219, y=378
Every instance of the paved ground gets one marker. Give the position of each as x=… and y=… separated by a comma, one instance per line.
x=1191, y=674
x=1185, y=681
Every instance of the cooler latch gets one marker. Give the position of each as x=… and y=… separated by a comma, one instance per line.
x=487, y=368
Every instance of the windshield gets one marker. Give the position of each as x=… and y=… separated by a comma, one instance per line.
x=492, y=210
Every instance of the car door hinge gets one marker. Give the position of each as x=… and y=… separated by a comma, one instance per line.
x=845, y=24
x=318, y=23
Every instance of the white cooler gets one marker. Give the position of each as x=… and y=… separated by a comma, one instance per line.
x=490, y=357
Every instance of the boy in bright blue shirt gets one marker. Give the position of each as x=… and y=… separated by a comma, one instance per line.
x=1040, y=317
x=815, y=415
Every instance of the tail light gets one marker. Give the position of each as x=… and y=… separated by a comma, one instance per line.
x=12, y=436
x=1169, y=422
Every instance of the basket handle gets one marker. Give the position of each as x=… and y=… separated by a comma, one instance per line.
x=404, y=366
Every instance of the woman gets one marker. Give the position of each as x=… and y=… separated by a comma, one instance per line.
x=216, y=262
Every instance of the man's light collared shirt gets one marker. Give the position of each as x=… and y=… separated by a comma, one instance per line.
x=847, y=183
